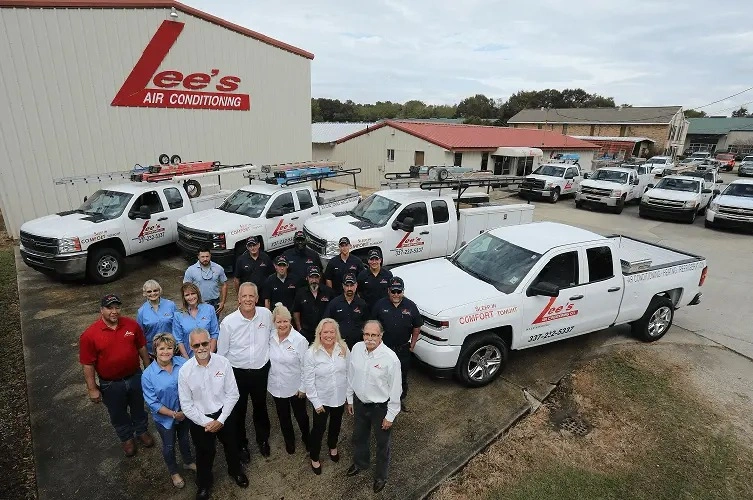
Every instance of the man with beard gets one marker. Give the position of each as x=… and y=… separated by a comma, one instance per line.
x=349, y=310
x=253, y=265
x=111, y=347
x=210, y=278
x=208, y=394
x=300, y=259
x=373, y=281
x=309, y=304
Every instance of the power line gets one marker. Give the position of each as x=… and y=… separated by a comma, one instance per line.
x=724, y=99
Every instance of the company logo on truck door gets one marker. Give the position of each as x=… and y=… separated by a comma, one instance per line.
x=407, y=242
x=283, y=228
x=169, y=94
x=552, y=312
x=149, y=233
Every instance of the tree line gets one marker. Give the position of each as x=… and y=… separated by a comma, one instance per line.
x=475, y=109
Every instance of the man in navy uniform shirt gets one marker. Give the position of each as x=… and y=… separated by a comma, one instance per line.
x=281, y=286
x=309, y=304
x=300, y=259
x=349, y=310
x=373, y=282
x=340, y=265
x=402, y=324
x=253, y=266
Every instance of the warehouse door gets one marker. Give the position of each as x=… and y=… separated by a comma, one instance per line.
x=418, y=158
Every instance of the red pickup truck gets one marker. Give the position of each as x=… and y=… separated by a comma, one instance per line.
x=727, y=161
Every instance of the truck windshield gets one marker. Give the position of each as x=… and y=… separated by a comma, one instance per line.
x=610, y=176
x=246, y=203
x=495, y=261
x=673, y=184
x=657, y=161
x=375, y=209
x=106, y=204
x=550, y=170
x=744, y=190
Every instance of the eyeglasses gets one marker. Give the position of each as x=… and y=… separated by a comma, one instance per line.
x=396, y=292
x=372, y=335
x=200, y=344
x=151, y=291
x=207, y=276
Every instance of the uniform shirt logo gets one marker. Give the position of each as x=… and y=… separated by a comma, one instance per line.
x=325, y=299
x=356, y=309
x=219, y=374
x=261, y=325
x=128, y=333
x=378, y=366
x=405, y=311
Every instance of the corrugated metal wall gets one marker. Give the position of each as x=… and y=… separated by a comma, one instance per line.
x=61, y=69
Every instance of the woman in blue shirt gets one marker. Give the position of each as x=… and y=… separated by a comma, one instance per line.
x=156, y=314
x=195, y=314
x=159, y=383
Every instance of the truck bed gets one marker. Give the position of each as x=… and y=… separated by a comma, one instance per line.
x=639, y=256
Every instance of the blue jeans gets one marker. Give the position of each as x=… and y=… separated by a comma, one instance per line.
x=125, y=404
x=181, y=431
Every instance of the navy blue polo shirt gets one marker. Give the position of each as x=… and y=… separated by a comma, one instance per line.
x=398, y=322
x=372, y=288
x=254, y=270
x=337, y=269
x=299, y=262
x=311, y=308
x=350, y=317
x=277, y=290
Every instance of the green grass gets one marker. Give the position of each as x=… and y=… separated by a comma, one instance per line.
x=691, y=460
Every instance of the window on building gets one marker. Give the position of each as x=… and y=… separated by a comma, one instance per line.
x=173, y=197
x=599, y=264
x=484, y=161
x=539, y=126
x=439, y=211
x=564, y=128
x=390, y=155
x=623, y=130
x=458, y=160
x=593, y=130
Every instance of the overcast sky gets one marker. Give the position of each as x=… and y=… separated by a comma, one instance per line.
x=641, y=52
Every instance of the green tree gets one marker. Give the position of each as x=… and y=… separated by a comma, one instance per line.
x=741, y=113
x=692, y=113
x=478, y=105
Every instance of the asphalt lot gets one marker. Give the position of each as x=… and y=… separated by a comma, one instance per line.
x=78, y=455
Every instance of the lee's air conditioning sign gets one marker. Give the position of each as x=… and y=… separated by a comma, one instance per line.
x=188, y=88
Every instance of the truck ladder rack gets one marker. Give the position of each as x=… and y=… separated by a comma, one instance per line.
x=461, y=185
x=317, y=178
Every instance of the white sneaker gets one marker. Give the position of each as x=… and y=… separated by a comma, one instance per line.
x=190, y=467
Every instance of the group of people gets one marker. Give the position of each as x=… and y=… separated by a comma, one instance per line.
x=343, y=346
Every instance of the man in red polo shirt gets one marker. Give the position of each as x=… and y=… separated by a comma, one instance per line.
x=111, y=347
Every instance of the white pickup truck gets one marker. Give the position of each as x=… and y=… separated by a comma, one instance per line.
x=679, y=197
x=552, y=180
x=113, y=223
x=407, y=225
x=611, y=187
x=272, y=212
x=523, y=286
x=733, y=208
x=659, y=164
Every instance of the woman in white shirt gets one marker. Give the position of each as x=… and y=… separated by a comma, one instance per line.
x=325, y=379
x=287, y=349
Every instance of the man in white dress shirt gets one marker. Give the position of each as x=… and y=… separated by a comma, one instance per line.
x=207, y=392
x=374, y=387
x=244, y=341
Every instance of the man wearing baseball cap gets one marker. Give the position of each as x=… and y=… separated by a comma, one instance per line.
x=373, y=281
x=279, y=287
x=111, y=348
x=349, y=310
x=340, y=265
x=300, y=259
x=402, y=324
x=310, y=302
x=253, y=265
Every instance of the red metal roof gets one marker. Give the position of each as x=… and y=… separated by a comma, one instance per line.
x=153, y=4
x=480, y=137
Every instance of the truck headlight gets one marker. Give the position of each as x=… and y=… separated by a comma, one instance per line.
x=714, y=206
x=691, y=204
x=331, y=248
x=616, y=193
x=69, y=245
x=218, y=241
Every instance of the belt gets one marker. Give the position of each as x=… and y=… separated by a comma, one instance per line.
x=369, y=405
x=101, y=379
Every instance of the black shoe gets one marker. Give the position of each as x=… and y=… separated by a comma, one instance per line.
x=202, y=494
x=290, y=448
x=241, y=480
x=317, y=470
x=245, y=455
x=335, y=457
x=379, y=485
x=264, y=449
x=353, y=470
x=403, y=407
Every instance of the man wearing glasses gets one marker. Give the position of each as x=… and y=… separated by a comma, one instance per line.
x=208, y=394
x=210, y=278
x=402, y=324
x=340, y=265
x=111, y=347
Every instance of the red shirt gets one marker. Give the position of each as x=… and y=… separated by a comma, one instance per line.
x=114, y=353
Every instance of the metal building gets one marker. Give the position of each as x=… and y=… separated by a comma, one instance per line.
x=96, y=86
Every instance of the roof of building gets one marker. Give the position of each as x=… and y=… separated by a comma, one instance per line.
x=621, y=115
x=154, y=4
x=479, y=137
x=326, y=132
x=718, y=125
x=601, y=138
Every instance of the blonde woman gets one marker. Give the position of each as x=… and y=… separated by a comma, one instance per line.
x=195, y=314
x=159, y=383
x=325, y=380
x=156, y=313
x=287, y=349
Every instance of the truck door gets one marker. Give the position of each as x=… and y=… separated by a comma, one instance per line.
x=572, y=180
x=407, y=247
x=176, y=208
x=441, y=243
x=146, y=234
x=306, y=208
x=282, y=221
x=603, y=288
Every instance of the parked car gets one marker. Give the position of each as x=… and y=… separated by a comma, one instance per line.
x=726, y=161
x=678, y=197
x=746, y=167
x=659, y=163
x=733, y=208
x=552, y=180
x=555, y=282
x=611, y=187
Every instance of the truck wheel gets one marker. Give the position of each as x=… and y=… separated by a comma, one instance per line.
x=481, y=360
x=620, y=205
x=692, y=216
x=655, y=321
x=554, y=196
x=104, y=265
x=578, y=204
x=193, y=188
x=163, y=159
x=175, y=159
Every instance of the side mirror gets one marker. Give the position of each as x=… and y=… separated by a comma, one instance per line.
x=586, y=175
x=636, y=182
x=706, y=191
x=274, y=212
x=143, y=213
x=719, y=181
x=650, y=186
x=85, y=198
x=543, y=288
x=408, y=225
x=717, y=191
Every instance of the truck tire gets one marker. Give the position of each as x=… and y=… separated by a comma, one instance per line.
x=692, y=216
x=193, y=188
x=481, y=360
x=163, y=159
x=104, y=265
x=554, y=196
x=175, y=159
x=620, y=205
x=655, y=321
x=578, y=204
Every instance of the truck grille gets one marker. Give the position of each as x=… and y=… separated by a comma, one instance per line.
x=193, y=239
x=595, y=191
x=39, y=244
x=735, y=211
x=665, y=203
x=315, y=243
x=532, y=184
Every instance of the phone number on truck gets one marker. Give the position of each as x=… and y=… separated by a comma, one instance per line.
x=552, y=333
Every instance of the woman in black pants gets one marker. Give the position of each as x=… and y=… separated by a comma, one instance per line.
x=324, y=377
